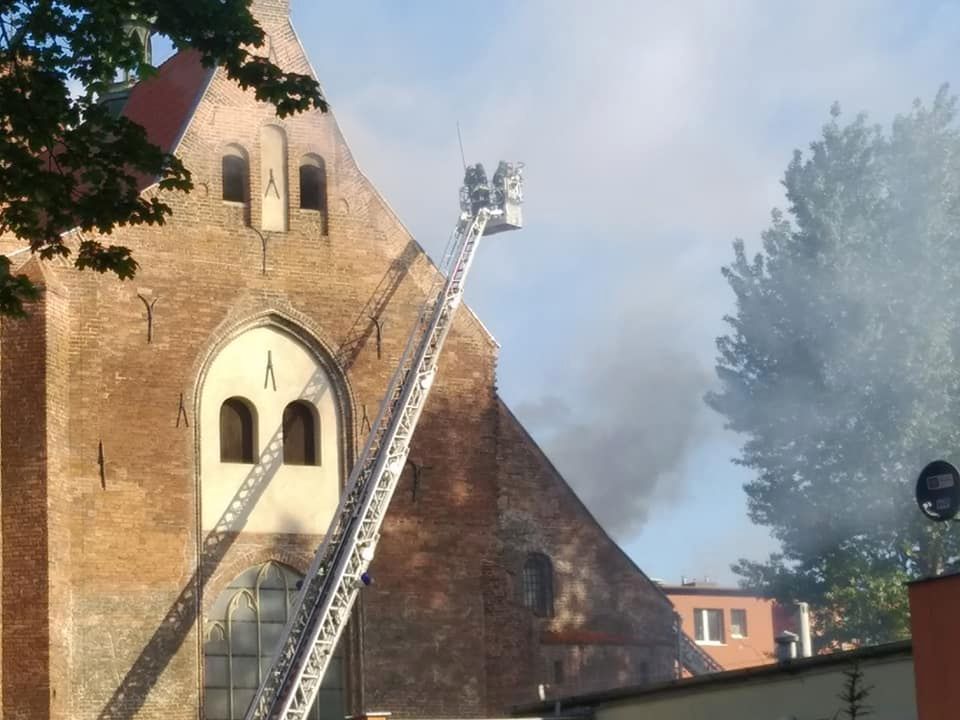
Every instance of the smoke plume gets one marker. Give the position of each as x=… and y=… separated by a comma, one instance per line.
x=632, y=413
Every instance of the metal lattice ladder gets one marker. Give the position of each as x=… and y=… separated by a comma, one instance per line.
x=338, y=570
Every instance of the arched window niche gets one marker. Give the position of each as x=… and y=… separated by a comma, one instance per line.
x=235, y=174
x=313, y=186
x=300, y=434
x=273, y=178
x=238, y=431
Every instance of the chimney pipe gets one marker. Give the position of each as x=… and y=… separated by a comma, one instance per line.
x=803, y=626
x=786, y=649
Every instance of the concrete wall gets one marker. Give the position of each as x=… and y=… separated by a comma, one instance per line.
x=810, y=695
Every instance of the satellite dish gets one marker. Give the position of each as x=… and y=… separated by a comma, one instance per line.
x=938, y=491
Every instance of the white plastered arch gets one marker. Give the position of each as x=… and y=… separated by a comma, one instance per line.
x=269, y=367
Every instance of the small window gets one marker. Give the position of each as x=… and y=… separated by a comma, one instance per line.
x=234, y=175
x=299, y=435
x=538, y=585
x=558, y=672
x=708, y=626
x=313, y=183
x=236, y=432
x=738, y=623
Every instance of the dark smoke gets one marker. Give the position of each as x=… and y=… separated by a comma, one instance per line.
x=632, y=413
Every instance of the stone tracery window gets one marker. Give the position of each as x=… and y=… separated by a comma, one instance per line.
x=242, y=634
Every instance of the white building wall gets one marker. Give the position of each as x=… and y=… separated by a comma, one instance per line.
x=811, y=695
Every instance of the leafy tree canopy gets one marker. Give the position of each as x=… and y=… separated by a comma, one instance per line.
x=67, y=162
x=841, y=368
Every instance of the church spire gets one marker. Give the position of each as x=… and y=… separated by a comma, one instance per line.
x=140, y=30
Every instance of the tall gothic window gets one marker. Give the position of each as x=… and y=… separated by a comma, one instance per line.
x=235, y=174
x=237, y=431
x=241, y=636
x=299, y=435
x=538, y=584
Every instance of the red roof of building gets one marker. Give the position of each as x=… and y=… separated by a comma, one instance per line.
x=702, y=589
x=164, y=103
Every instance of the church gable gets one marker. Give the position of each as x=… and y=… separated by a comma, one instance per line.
x=489, y=572
x=588, y=605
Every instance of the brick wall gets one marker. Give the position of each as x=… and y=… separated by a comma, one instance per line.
x=24, y=469
x=611, y=625
x=440, y=632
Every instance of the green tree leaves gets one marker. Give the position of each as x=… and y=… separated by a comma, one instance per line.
x=67, y=162
x=842, y=367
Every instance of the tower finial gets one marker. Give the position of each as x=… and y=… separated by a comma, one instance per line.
x=140, y=31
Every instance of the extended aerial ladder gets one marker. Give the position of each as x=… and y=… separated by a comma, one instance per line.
x=339, y=568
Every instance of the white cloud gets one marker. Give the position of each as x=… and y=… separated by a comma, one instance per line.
x=653, y=134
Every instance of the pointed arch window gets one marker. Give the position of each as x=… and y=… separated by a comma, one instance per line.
x=241, y=636
x=237, y=431
x=538, y=585
x=300, y=435
x=235, y=174
x=313, y=185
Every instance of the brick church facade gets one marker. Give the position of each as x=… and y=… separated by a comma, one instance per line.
x=171, y=451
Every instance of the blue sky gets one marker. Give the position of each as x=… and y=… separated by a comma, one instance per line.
x=654, y=134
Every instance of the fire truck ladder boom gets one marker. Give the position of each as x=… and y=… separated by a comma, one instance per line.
x=339, y=568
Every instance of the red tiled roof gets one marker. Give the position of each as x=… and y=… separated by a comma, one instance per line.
x=164, y=103
x=712, y=590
